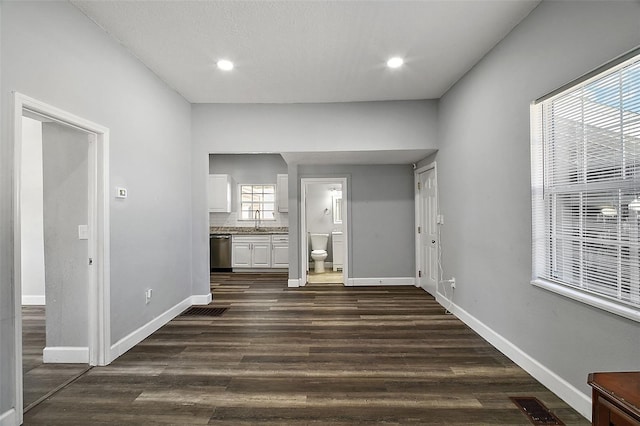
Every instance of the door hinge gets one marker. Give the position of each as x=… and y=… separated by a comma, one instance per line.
x=419, y=274
x=419, y=186
x=90, y=261
x=419, y=229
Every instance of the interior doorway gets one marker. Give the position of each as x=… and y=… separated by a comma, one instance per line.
x=60, y=248
x=427, y=238
x=324, y=231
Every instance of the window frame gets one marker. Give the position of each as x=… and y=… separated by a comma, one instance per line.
x=544, y=242
x=262, y=210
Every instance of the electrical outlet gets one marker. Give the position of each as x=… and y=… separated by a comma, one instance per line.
x=147, y=295
x=453, y=282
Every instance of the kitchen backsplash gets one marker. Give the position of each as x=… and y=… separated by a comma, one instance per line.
x=231, y=220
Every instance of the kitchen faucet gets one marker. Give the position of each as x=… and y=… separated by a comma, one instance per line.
x=256, y=216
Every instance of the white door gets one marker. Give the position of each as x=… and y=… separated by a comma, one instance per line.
x=428, y=235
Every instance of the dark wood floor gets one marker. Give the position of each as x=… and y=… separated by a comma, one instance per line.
x=321, y=354
x=38, y=378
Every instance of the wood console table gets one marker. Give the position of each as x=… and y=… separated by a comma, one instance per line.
x=616, y=399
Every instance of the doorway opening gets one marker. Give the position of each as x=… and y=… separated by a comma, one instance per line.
x=427, y=236
x=324, y=231
x=61, y=248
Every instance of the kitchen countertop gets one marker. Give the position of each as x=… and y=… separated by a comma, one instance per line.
x=236, y=230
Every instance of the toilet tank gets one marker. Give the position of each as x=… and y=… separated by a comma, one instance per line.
x=319, y=241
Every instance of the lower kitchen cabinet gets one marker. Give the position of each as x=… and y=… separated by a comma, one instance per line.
x=279, y=251
x=251, y=251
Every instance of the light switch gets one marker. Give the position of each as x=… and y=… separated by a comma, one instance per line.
x=83, y=232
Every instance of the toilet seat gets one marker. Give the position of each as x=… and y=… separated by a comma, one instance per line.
x=318, y=252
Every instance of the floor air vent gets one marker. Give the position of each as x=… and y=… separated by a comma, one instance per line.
x=535, y=410
x=203, y=311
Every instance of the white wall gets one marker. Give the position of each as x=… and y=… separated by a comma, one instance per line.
x=31, y=223
x=76, y=66
x=319, y=214
x=484, y=184
x=247, y=128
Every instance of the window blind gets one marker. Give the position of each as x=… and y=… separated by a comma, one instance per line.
x=586, y=186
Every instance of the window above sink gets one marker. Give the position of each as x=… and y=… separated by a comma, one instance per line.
x=257, y=202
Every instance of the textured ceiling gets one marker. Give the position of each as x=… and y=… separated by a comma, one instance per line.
x=308, y=51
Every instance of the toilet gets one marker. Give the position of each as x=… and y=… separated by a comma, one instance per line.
x=319, y=251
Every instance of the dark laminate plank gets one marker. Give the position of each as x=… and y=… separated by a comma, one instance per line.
x=321, y=354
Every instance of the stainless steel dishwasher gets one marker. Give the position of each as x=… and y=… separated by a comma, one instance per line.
x=220, y=252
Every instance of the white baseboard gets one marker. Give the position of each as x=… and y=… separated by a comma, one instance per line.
x=65, y=355
x=294, y=282
x=201, y=299
x=8, y=418
x=381, y=281
x=137, y=336
x=33, y=300
x=565, y=390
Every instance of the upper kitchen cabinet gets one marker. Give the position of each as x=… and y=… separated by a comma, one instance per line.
x=282, y=182
x=219, y=193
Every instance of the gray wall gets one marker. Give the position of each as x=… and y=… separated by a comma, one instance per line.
x=247, y=128
x=72, y=64
x=484, y=168
x=65, y=204
x=381, y=219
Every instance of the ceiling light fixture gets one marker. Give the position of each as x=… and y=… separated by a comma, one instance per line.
x=395, y=62
x=224, y=65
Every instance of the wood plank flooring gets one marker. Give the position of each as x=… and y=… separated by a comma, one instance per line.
x=40, y=379
x=322, y=354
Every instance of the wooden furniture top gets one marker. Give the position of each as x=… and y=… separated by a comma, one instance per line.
x=623, y=387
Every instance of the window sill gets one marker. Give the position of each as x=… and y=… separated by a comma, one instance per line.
x=589, y=299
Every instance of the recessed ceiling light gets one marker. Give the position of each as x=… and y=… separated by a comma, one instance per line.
x=395, y=62
x=224, y=65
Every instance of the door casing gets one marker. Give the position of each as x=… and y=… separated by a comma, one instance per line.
x=98, y=248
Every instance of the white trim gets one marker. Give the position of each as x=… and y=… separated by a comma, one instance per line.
x=596, y=301
x=65, y=355
x=565, y=390
x=137, y=336
x=33, y=300
x=201, y=299
x=8, y=418
x=295, y=282
x=381, y=281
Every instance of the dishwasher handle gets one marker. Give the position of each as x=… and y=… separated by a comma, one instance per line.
x=220, y=237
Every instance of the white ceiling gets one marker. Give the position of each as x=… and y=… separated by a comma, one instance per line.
x=308, y=51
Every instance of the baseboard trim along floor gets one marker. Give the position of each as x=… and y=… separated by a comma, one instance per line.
x=565, y=390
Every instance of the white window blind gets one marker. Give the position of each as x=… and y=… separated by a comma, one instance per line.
x=586, y=189
x=257, y=202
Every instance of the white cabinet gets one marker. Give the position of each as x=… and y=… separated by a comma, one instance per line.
x=279, y=251
x=251, y=251
x=219, y=193
x=282, y=184
x=337, y=245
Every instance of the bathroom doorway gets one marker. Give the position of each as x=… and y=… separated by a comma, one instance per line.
x=324, y=236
